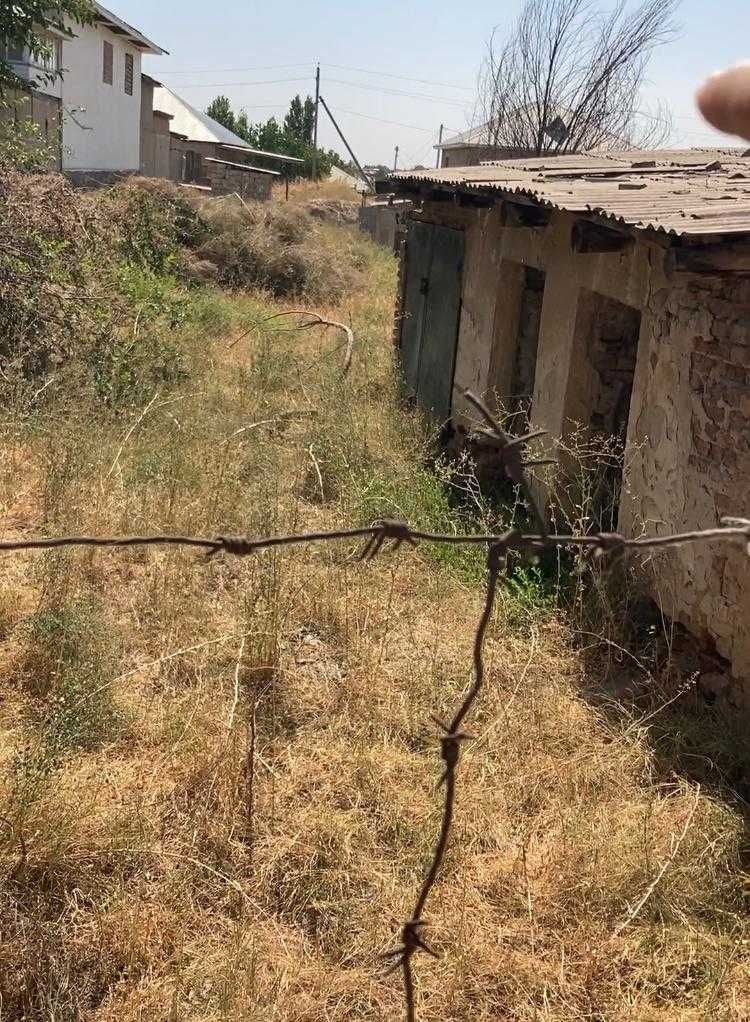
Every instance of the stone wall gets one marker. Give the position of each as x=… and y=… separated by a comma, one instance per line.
x=688, y=422
x=689, y=456
x=226, y=180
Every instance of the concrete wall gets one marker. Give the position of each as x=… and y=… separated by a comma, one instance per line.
x=384, y=221
x=688, y=435
x=155, y=142
x=101, y=130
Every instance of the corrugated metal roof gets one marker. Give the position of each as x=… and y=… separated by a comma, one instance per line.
x=688, y=192
x=192, y=123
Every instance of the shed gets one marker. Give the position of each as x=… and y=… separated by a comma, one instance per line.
x=610, y=292
x=205, y=153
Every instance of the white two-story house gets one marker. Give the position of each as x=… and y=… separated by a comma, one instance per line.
x=98, y=97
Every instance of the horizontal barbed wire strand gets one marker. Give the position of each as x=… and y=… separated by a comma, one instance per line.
x=397, y=533
x=734, y=529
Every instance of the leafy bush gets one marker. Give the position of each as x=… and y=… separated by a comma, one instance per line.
x=152, y=220
x=68, y=665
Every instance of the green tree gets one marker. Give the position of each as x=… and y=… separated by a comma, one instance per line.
x=220, y=109
x=299, y=122
x=23, y=24
x=292, y=138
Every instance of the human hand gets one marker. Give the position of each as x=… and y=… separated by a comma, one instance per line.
x=724, y=100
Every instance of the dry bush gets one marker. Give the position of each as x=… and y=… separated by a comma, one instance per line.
x=277, y=247
x=46, y=278
x=152, y=220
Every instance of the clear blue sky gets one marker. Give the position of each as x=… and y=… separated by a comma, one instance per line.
x=246, y=49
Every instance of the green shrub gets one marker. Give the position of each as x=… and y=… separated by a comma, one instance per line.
x=67, y=670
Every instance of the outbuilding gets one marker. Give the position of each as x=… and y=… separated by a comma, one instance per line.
x=609, y=293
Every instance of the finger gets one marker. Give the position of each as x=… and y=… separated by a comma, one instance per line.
x=724, y=100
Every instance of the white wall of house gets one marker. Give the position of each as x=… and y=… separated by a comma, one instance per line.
x=101, y=122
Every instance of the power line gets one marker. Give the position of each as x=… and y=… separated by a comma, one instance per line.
x=232, y=70
x=235, y=85
x=398, y=92
x=403, y=78
x=382, y=120
x=334, y=81
x=338, y=67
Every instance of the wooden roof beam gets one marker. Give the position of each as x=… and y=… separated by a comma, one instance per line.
x=720, y=259
x=590, y=237
x=521, y=214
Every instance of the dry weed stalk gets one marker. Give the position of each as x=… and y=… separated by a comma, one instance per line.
x=394, y=534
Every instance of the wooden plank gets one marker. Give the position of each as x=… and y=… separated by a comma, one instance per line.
x=418, y=259
x=592, y=237
x=713, y=259
x=440, y=336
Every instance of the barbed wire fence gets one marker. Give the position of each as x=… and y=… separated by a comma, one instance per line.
x=392, y=534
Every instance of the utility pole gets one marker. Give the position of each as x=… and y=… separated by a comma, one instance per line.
x=395, y=160
x=440, y=142
x=315, y=125
x=349, y=149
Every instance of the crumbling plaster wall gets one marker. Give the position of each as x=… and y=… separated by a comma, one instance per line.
x=689, y=452
x=688, y=460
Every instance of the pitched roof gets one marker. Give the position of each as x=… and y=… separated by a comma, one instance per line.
x=115, y=24
x=197, y=126
x=683, y=192
x=481, y=134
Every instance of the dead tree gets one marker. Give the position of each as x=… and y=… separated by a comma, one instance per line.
x=569, y=76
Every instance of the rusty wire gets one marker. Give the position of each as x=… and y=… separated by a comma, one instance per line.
x=393, y=534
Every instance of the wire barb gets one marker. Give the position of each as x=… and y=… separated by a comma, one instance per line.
x=412, y=942
x=606, y=545
x=385, y=529
x=511, y=452
x=237, y=546
x=609, y=546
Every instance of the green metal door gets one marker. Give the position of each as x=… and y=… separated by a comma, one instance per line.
x=432, y=310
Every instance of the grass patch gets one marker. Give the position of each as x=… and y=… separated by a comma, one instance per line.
x=225, y=811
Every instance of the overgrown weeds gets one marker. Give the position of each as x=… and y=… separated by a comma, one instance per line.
x=94, y=286
x=217, y=776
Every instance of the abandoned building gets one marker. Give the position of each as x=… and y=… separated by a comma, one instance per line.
x=610, y=293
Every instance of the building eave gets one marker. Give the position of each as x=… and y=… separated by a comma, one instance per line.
x=121, y=28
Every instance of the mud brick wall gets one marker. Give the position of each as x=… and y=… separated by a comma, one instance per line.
x=226, y=180
x=689, y=463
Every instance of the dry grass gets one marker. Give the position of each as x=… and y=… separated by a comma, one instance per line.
x=304, y=191
x=218, y=777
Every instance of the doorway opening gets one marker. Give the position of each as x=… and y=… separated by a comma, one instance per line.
x=527, y=345
x=600, y=394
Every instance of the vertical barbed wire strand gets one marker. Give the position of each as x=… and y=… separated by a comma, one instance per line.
x=394, y=534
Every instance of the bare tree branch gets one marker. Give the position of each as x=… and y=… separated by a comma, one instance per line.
x=569, y=78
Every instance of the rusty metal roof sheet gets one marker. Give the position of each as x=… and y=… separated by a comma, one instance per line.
x=687, y=193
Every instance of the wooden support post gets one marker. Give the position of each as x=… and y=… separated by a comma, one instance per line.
x=315, y=125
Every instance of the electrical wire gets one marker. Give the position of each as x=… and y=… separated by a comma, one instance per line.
x=233, y=70
x=382, y=120
x=403, y=78
x=235, y=85
x=396, y=92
